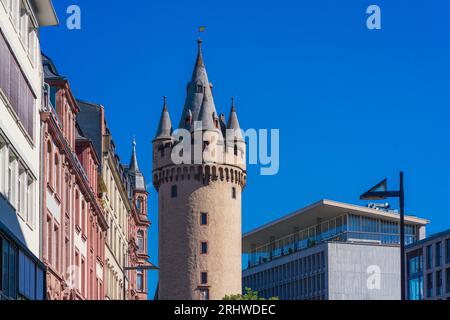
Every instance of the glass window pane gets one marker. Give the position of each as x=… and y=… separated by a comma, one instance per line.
x=5, y=278
x=12, y=272
x=39, y=284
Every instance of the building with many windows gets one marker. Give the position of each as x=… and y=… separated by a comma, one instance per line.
x=123, y=197
x=428, y=268
x=329, y=251
x=74, y=224
x=138, y=226
x=21, y=88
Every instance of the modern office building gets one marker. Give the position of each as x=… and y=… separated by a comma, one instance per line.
x=428, y=268
x=199, y=198
x=21, y=89
x=123, y=197
x=329, y=251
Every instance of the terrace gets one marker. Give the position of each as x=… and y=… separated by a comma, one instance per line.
x=336, y=222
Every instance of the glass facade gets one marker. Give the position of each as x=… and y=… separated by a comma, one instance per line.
x=300, y=279
x=447, y=251
x=8, y=285
x=432, y=280
x=447, y=281
x=348, y=227
x=429, y=285
x=438, y=254
x=415, y=275
x=438, y=283
x=429, y=257
x=21, y=277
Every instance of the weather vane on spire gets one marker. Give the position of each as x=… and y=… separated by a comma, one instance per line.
x=201, y=29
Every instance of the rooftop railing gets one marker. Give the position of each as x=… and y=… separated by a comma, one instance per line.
x=342, y=229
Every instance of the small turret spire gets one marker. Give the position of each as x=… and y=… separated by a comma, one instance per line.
x=207, y=113
x=135, y=174
x=134, y=166
x=165, y=104
x=165, y=124
x=199, y=62
x=233, y=122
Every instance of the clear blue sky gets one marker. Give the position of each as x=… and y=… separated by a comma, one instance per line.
x=353, y=106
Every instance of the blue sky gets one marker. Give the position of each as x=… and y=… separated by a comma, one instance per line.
x=353, y=106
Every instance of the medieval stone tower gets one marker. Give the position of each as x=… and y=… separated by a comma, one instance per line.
x=199, y=199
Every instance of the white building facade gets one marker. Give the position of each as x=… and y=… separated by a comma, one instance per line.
x=21, y=89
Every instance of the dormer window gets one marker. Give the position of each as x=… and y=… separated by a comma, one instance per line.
x=199, y=88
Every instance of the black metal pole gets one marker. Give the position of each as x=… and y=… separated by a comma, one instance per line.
x=402, y=239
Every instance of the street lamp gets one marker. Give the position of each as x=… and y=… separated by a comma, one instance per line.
x=380, y=192
x=148, y=266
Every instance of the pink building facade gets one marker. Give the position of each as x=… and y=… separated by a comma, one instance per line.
x=74, y=226
x=138, y=231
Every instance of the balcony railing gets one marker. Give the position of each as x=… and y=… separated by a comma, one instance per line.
x=336, y=229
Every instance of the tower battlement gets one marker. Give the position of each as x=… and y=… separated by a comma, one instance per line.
x=201, y=173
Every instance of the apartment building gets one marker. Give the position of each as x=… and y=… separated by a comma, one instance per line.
x=21, y=90
x=75, y=226
x=123, y=197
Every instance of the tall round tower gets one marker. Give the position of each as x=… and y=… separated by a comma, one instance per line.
x=199, y=201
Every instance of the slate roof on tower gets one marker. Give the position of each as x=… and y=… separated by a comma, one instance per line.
x=165, y=124
x=197, y=89
x=135, y=174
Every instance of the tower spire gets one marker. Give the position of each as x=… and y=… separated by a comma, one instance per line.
x=134, y=166
x=199, y=62
x=233, y=122
x=198, y=87
x=165, y=103
x=135, y=174
x=207, y=114
x=165, y=124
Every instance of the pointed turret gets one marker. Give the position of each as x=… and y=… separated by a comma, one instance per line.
x=197, y=88
x=208, y=114
x=165, y=125
x=199, y=63
x=135, y=174
x=233, y=122
x=134, y=166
